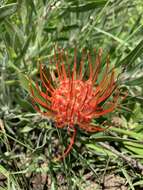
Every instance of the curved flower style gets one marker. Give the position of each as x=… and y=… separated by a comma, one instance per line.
x=70, y=97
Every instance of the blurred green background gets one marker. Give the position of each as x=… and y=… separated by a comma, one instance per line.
x=29, y=30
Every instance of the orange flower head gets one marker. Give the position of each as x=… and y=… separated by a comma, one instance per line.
x=71, y=97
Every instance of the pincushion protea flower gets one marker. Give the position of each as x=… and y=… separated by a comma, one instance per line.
x=71, y=98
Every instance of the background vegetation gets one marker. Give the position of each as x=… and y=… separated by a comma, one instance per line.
x=29, y=29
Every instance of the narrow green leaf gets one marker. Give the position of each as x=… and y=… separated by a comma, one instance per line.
x=63, y=29
x=133, y=82
x=26, y=129
x=26, y=82
x=133, y=55
x=4, y=171
x=15, y=34
x=25, y=48
x=99, y=150
x=136, y=150
x=31, y=3
x=110, y=138
x=7, y=10
x=87, y=6
x=128, y=132
x=128, y=178
x=140, y=182
x=133, y=144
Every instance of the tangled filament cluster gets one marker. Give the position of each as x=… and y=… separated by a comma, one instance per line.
x=72, y=96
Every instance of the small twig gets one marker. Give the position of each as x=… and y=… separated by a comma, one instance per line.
x=132, y=162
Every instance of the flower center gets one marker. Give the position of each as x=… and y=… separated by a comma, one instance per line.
x=72, y=101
